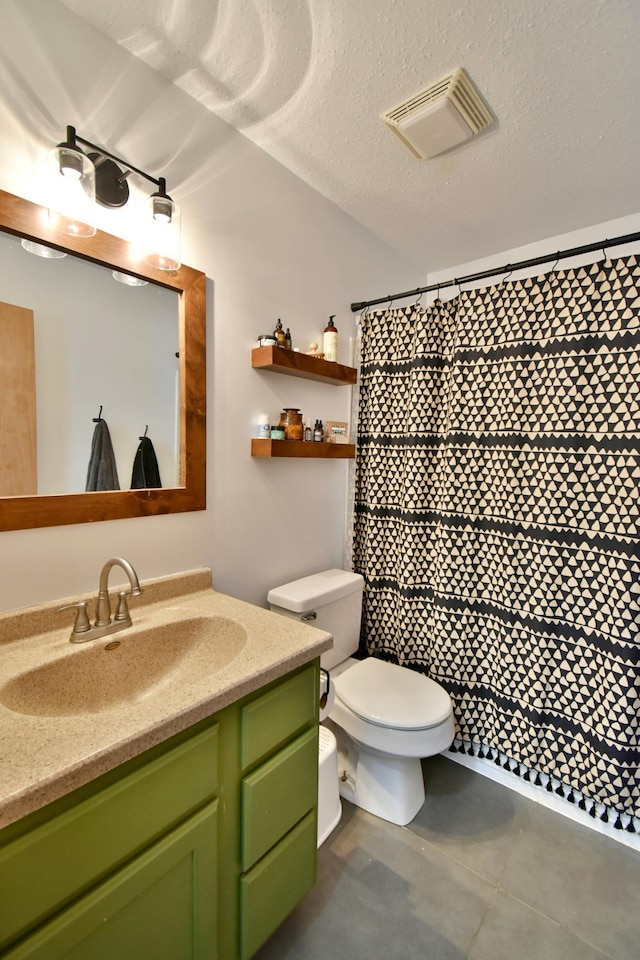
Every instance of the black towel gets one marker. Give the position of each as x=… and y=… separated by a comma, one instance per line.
x=102, y=473
x=145, y=467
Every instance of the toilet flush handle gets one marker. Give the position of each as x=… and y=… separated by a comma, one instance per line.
x=308, y=617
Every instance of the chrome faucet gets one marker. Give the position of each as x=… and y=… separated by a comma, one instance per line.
x=104, y=624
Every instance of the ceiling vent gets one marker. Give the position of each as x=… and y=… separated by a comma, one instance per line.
x=440, y=117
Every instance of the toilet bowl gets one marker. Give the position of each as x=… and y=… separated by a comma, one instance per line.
x=385, y=717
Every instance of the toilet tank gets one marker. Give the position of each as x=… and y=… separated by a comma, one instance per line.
x=335, y=596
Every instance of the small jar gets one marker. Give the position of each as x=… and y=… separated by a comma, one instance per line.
x=277, y=432
x=291, y=420
x=266, y=340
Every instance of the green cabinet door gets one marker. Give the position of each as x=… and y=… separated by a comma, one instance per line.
x=46, y=868
x=270, y=891
x=161, y=906
x=277, y=795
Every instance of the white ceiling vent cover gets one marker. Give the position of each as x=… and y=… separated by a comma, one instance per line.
x=440, y=117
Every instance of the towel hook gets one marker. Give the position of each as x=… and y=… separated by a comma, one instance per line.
x=99, y=417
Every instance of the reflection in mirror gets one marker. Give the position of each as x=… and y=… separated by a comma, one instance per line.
x=92, y=342
x=96, y=343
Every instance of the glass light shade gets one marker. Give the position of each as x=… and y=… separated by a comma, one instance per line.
x=39, y=249
x=72, y=208
x=162, y=233
x=128, y=279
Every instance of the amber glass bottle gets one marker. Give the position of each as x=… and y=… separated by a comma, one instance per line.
x=279, y=334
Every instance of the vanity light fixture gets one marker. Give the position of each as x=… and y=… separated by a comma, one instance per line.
x=100, y=177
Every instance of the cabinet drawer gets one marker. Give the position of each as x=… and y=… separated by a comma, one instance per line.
x=46, y=868
x=275, y=717
x=277, y=795
x=161, y=906
x=270, y=891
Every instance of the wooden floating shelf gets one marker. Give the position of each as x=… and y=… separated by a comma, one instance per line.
x=295, y=364
x=305, y=449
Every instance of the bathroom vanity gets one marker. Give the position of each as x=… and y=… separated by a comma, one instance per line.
x=182, y=823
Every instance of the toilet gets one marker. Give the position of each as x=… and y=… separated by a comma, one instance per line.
x=385, y=718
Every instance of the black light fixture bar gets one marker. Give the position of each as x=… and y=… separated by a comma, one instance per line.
x=73, y=137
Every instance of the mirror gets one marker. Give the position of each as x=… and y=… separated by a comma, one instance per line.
x=23, y=219
x=74, y=345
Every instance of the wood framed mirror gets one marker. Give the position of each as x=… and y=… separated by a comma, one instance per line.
x=21, y=218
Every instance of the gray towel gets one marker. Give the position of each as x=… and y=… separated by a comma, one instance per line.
x=102, y=473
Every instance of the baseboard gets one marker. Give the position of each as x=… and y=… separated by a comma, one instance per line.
x=490, y=770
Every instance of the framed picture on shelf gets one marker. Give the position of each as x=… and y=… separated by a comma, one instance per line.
x=337, y=431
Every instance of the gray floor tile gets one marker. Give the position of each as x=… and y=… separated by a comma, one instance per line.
x=383, y=893
x=471, y=818
x=480, y=874
x=513, y=930
x=585, y=881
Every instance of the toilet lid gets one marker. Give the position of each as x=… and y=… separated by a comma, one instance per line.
x=392, y=696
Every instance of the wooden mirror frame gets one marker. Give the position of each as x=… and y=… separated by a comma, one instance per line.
x=25, y=219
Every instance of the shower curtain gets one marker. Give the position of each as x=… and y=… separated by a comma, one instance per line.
x=496, y=520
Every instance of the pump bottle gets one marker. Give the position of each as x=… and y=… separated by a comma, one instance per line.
x=330, y=341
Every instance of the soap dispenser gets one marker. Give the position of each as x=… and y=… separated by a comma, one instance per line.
x=330, y=341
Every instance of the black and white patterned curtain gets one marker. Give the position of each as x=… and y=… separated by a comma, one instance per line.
x=496, y=520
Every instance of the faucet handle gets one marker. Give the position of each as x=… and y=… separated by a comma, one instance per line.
x=122, y=610
x=82, y=618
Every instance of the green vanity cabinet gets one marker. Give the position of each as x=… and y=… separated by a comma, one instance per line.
x=163, y=858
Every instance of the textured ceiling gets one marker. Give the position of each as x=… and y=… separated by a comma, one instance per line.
x=307, y=81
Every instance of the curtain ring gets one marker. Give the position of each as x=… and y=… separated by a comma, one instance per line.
x=419, y=298
x=509, y=269
x=604, y=250
x=459, y=286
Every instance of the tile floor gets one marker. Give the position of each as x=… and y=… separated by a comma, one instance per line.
x=482, y=873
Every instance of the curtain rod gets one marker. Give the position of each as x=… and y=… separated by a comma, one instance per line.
x=508, y=268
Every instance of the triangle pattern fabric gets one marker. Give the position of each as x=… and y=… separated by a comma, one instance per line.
x=497, y=517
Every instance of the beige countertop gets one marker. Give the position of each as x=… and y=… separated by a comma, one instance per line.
x=50, y=751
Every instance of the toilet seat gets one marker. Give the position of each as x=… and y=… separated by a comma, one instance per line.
x=388, y=695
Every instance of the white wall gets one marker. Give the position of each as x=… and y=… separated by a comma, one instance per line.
x=597, y=233
x=271, y=248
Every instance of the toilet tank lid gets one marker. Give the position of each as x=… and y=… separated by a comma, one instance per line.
x=316, y=590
